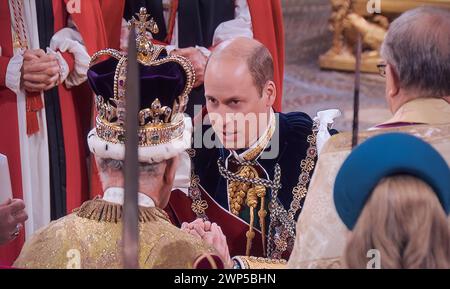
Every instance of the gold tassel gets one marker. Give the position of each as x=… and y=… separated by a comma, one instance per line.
x=250, y=234
x=252, y=202
x=240, y=191
x=237, y=190
x=262, y=223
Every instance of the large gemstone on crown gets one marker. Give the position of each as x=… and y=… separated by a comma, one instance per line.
x=154, y=138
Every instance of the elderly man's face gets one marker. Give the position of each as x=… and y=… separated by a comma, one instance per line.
x=236, y=107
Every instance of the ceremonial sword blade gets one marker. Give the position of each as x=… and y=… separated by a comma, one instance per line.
x=131, y=174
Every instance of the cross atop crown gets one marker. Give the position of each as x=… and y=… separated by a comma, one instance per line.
x=141, y=24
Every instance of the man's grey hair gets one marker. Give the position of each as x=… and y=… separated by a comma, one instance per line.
x=118, y=165
x=417, y=45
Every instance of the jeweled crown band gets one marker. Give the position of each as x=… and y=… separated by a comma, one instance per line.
x=151, y=135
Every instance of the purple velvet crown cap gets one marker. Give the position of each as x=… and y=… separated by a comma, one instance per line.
x=164, y=81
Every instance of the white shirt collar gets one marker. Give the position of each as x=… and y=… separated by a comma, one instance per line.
x=116, y=195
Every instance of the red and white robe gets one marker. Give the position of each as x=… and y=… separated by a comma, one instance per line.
x=48, y=168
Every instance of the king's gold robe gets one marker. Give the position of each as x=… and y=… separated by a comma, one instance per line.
x=91, y=238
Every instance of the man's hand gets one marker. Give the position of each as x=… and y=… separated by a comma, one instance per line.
x=12, y=215
x=40, y=71
x=212, y=235
x=198, y=60
x=215, y=238
x=195, y=228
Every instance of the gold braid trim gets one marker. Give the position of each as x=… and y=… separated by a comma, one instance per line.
x=102, y=211
x=250, y=262
x=105, y=52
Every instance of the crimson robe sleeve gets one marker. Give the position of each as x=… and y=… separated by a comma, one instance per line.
x=267, y=23
x=3, y=66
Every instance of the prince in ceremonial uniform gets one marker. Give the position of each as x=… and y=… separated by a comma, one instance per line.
x=251, y=170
